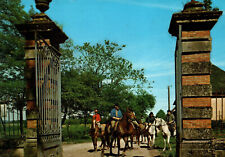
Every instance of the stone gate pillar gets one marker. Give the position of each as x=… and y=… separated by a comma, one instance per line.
x=194, y=24
x=40, y=25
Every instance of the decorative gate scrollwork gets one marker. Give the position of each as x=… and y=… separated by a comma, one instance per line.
x=48, y=91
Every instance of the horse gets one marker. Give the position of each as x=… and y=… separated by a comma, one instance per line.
x=142, y=131
x=94, y=133
x=159, y=122
x=123, y=130
x=152, y=129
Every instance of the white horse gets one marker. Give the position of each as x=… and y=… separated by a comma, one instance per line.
x=152, y=129
x=159, y=122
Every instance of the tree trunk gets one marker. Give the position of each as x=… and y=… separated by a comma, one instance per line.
x=85, y=121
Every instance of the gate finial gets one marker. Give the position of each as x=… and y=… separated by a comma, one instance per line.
x=42, y=5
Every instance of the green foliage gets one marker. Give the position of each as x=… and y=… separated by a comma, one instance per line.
x=75, y=132
x=161, y=114
x=12, y=53
x=11, y=43
x=208, y=4
x=144, y=103
x=217, y=79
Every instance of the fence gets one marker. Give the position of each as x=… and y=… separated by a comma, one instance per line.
x=12, y=122
x=48, y=90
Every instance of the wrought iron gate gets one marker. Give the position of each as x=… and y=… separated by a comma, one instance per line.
x=48, y=91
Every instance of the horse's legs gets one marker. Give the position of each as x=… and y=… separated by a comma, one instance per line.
x=103, y=147
x=164, y=139
x=126, y=142
x=131, y=141
x=111, y=143
x=168, y=141
x=114, y=142
x=148, y=140
x=108, y=140
x=153, y=140
x=118, y=144
x=94, y=141
x=138, y=139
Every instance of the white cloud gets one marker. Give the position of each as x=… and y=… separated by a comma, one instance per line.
x=160, y=74
x=156, y=64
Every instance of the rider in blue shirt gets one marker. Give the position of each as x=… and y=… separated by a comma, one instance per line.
x=116, y=115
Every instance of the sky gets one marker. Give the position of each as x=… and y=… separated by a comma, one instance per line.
x=142, y=25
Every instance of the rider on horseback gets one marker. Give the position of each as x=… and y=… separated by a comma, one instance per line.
x=170, y=119
x=150, y=119
x=97, y=118
x=116, y=115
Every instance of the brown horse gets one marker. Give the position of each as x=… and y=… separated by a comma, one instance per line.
x=143, y=131
x=123, y=130
x=94, y=133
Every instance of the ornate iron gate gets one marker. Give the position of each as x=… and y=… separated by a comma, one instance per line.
x=48, y=92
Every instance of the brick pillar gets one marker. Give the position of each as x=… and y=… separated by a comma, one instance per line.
x=196, y=24
x=44, y=26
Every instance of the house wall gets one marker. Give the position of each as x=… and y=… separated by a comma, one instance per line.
x=218, y=108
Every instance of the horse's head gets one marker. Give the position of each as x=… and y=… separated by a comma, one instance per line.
x=129, y=114
x=158, y=122
x=93, y=124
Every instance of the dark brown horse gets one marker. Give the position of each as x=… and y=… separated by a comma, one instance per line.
x=143, y=131
x=123, y=130
x=94, y=133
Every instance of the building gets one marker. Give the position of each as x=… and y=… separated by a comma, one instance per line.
x=217, y=80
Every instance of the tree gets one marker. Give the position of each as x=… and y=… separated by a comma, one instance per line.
x=12, y=55
x=144, y=103
x=103, y=60
x=161, y=114
x=95, y=76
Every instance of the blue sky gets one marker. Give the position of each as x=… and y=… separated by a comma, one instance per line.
x=140, y=24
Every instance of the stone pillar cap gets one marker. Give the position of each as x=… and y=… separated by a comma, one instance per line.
x=193, y=6
x=193, y=17
x=45, y=27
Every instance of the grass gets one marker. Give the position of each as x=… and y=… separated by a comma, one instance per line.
x=11, y=130
x=75, y=133
x=159, y=144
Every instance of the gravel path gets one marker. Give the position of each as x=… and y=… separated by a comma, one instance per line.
x=86, y=150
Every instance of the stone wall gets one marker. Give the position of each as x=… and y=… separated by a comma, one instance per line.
x=192, y=27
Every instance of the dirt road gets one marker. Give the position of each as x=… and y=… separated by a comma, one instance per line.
x=86, y=150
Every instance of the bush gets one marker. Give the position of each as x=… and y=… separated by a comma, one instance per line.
x=75, y=132
x=72, y=121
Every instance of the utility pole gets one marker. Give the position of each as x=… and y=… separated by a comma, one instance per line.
x=168, y=97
